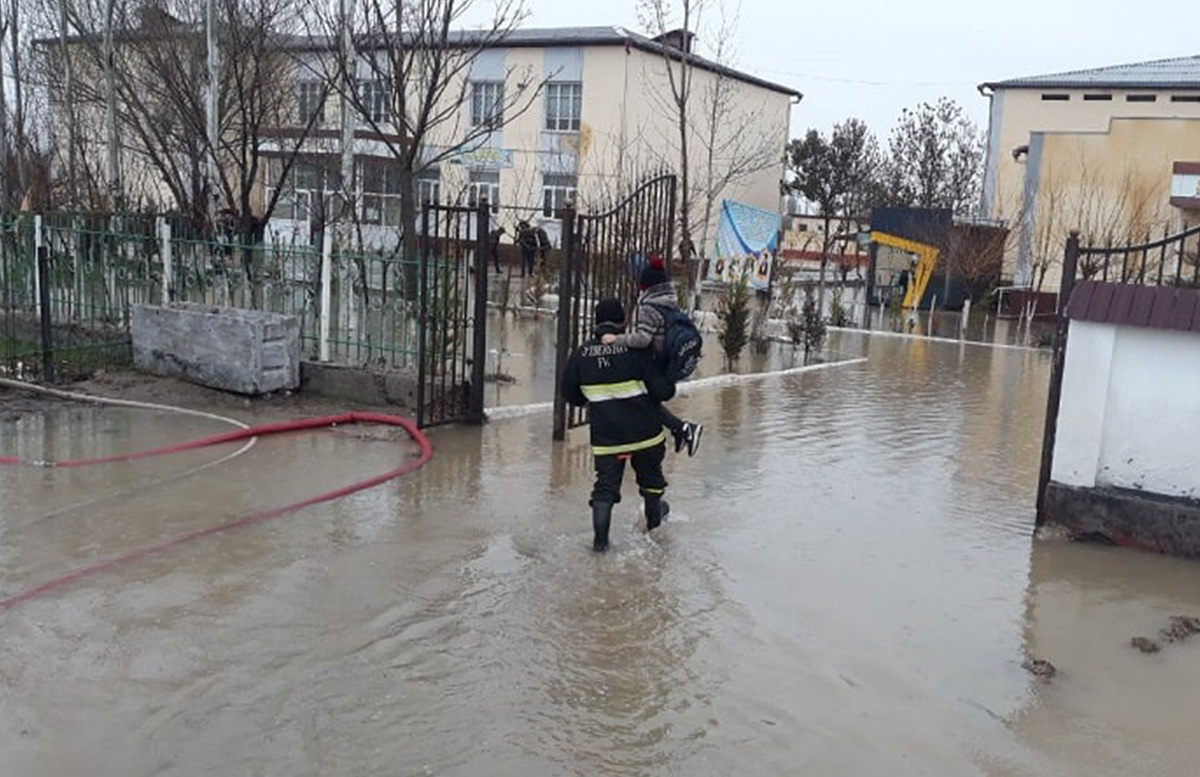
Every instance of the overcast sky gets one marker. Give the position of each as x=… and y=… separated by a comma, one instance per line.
x=870, y=58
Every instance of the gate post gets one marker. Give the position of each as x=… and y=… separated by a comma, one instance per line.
x=326, y=305
x=168, y=263
x=479, y=331
x=1070, y=262
x=564, y=345
x=42, y=277
x=423, y=321
x=38, y=242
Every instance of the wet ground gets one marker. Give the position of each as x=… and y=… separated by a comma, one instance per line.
x=847, y=585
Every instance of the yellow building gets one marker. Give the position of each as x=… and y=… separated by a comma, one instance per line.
x=602, y=121
x=1112, y=152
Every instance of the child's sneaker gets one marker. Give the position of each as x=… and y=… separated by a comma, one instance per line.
x=691, y=435
x=681, y=438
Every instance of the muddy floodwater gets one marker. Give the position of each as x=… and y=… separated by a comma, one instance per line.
x=847, y=585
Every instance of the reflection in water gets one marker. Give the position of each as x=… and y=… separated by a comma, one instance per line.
x=846, y=586
x=1110, y=709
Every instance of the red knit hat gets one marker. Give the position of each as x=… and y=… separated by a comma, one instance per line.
x=654, y=273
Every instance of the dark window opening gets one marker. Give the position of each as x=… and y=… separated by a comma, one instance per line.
x=1097, y=97
x=1185, y=98
x=1141, y=98
x=1056, y=97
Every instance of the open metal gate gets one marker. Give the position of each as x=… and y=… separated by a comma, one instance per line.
x=453, y=316
x=602, y=253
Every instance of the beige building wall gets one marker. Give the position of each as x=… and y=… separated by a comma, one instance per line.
x=1088, y=163
x=627, y=133
x=1111, y=186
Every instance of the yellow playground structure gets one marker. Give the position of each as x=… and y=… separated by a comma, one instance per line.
x=918, y=279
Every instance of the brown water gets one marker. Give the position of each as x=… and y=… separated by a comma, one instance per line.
x=847, y=585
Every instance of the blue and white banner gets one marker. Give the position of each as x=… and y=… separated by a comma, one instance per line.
x=747, y=242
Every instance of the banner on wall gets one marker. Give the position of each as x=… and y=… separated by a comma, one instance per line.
x=747, y=242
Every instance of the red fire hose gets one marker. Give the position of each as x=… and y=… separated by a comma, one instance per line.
x=425, y=454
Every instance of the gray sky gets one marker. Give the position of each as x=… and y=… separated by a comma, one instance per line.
x=870, y=58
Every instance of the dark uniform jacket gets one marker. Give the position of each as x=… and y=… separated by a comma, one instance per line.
x=622, y=387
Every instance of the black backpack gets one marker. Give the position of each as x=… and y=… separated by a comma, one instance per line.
x=682, y=344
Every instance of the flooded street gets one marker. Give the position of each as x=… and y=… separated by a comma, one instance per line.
x=846, y=585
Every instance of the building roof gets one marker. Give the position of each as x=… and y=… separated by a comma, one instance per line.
x=517, y=38
x=1175, y=73
x=1151, y=307
x=582, y=36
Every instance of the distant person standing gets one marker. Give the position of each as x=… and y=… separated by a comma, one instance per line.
x=527, y=241
x=623, y=389
x=494, y=246
x=543, y=244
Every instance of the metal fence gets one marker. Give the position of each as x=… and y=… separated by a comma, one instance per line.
x=69, y=282
x=1173, y=261
x=601, y=253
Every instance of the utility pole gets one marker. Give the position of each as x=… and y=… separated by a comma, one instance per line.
x=18, y=79
x=345, y=218
x=115, y=198
x=214, y=74
x=3, y=132
x=349, y=69
x=69, y=88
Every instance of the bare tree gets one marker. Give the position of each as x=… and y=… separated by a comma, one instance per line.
x=4, y=133
x=18, y=27
x=836, y=174
x=1117, y=208
x=681, y=17
x=717, y=140
x=407, y=76
x=732, y=142
x=158, y=66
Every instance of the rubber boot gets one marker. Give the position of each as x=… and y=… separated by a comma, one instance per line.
x=601, y=519
x=656, y=509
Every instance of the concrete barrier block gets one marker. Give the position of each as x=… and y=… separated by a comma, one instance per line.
x=363, y=387
x=243, y=351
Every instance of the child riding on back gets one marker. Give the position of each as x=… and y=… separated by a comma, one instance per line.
x=657, y=296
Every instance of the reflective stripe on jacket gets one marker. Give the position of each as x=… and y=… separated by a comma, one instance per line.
x=622, y=388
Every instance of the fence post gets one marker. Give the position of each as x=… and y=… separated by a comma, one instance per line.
x=37, y=258
x=42, y=277
x=76, y=253
x=565, y=346
x=479, y=332
x=326, y=308
x=423, y=365
x=1070, y=262
x=168, y=273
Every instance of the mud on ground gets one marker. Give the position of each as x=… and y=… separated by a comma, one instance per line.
x=129, y=385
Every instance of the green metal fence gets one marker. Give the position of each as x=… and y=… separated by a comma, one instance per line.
x=355, y=308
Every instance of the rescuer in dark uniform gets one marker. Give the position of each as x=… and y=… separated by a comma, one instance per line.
x=622, y=388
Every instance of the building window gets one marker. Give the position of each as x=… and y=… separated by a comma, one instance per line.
x=375, y=101
x=1094, y=98
x=557, y=190
x=564, y=103
x=1141, y=98
x=1185, y=98
x=429, y=186
x=487, y=103
x=311, y=101
x=305, y=189
x=1056, y=97
x=484, y=184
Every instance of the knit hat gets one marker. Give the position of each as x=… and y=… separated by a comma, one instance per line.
x=610, y=311
x=654, y=273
